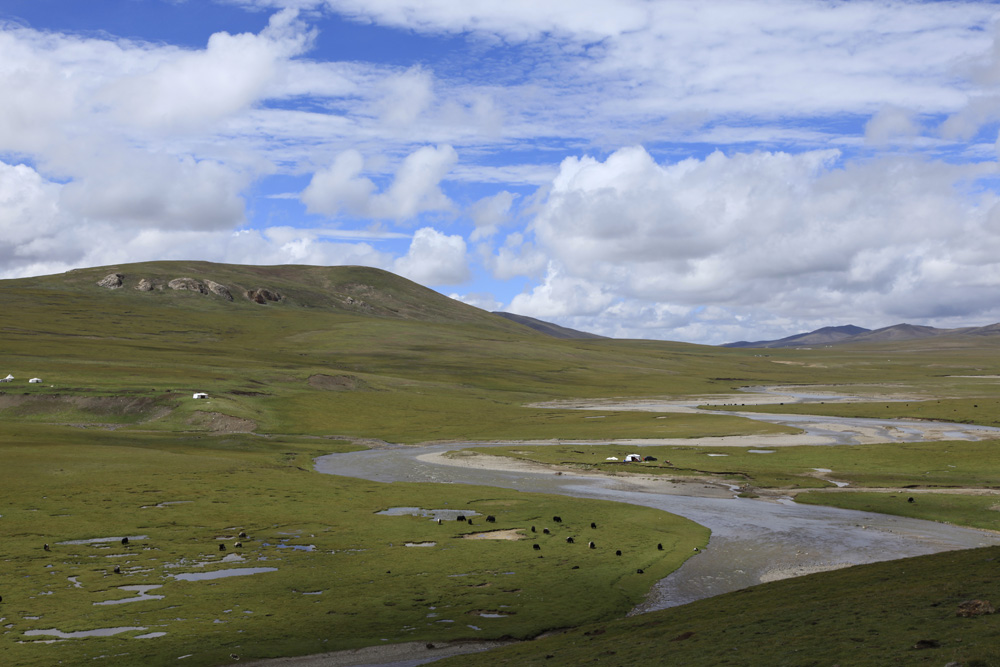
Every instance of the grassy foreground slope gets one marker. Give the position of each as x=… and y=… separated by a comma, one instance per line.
x=890, y=613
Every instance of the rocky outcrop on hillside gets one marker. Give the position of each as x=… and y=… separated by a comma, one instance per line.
x=357, y=304
x=218, y=289
x=205, y=286
x=111, y=281
x=147, y=285
x=263, y=295
x=187, y=284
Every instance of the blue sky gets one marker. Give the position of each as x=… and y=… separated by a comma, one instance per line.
x=646, y=169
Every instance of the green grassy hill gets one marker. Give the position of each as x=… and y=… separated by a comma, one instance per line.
x=346, y=350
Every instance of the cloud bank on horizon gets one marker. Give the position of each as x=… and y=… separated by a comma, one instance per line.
x=744, y=169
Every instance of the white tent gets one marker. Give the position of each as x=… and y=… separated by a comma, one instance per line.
x=633, y=458
x=200, y=394
x=35, y=381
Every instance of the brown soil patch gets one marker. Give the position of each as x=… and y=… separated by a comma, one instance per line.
x=97, y=405
x=8, y=401
x=512, y=534
x=220, y=423
x=337, y=382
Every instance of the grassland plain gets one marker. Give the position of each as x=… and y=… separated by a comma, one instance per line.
x=111, y=444
x=343, y=576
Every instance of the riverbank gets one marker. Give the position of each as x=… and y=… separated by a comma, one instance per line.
x=407, y=653
x=679, y=486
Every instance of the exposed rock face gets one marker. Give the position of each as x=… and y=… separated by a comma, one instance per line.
x=971, y=608
x=262, y=295
x=187, y=284
x=111, y=281
x=147, y=285
x=221, y=290
x=258, y=295
x=357, y=304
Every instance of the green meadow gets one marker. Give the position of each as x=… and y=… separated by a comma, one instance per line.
x=112, y=444
x=343, y=575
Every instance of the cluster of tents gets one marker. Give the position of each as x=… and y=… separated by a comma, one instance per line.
x=10, y=378
x=632, y=458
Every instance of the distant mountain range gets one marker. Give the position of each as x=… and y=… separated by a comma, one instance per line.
x=853, y=334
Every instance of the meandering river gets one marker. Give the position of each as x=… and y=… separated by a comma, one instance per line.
x=752, y=540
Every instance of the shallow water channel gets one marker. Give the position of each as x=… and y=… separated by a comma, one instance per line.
x=752, y=541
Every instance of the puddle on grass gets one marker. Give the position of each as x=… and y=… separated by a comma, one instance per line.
x=421, y=544
x=221, y=574
x=283, y=544
x=492, y=615
x=166, y=504
x=141, y=590
x=76, y=584
x=760, y=451
x=718, y=454
x=434, y=515
x=832, y=481
x=102, y=632
x=228, y=558
x=101, y=540
x=150, y=635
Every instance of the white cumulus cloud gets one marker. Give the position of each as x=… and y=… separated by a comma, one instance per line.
x=340, y=188
x=435, y=259
x=181, y=89
x=800, y=237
